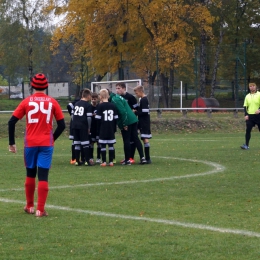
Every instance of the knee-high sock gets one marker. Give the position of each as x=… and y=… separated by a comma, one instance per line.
x=147, y=151
x=43, y=188
x=73, y=152
x=29, y=191
x=86, y=153
x=77, y=152
x=82, y=154
x=103, y=153
x=111, y=152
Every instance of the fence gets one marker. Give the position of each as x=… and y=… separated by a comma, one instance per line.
x=22, y=90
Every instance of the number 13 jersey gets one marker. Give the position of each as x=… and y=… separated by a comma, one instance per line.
x=106, y=123
x=39, y=109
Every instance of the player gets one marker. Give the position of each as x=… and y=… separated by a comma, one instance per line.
x=127, y=123
x=70, y=108
x=81, y=125
x=251, y=108
x=39, y=110
x=143, y=113
x=131, y=100
x=93, y=130
x=106, y=117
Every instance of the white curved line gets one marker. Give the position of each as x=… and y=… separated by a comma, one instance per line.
x=217, y=168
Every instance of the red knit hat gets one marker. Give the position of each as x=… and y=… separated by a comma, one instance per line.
x=39, y=82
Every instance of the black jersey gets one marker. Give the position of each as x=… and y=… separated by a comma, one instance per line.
x=106, y=117
x=93, y=129
x=71, y=105
x=143, y=113
x=131, y=100
x=82, y=115
x=70, y=108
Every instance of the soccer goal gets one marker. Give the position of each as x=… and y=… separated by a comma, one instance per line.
x=111, y=85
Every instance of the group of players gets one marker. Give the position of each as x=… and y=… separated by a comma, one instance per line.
x=95, y=118
x=40, y=111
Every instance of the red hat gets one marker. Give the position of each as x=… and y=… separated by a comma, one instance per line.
x=39, y=82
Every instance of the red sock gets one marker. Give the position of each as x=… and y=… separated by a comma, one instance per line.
x=43, y=189
x=29, y=191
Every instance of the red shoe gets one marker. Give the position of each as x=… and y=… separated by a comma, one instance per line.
x=104, y=164
x=72, y=161
x=40, y=214
x=132, y=160
x=111, y=164
x=29, y=210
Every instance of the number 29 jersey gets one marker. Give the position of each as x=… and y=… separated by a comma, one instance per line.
x=39, y=109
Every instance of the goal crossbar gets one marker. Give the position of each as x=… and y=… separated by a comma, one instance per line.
x=130, y=84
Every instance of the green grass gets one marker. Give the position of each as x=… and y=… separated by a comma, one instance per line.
x=141, y=211
x=225, y=101
x=7, y=104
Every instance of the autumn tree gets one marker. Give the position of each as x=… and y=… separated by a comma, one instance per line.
x=116, y=32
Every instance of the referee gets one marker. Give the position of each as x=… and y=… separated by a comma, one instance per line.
x=251, y=109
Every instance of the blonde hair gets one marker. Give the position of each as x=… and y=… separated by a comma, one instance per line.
x=252, y=84
x=139, y=88
x=103, y=93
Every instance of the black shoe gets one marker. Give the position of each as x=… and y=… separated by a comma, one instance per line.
x=143, y=161
x=90, y=163
x=148, y=161
x=78, y=163
x=126, y=163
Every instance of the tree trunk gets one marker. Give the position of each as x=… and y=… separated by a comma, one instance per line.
x=164, y=90
x=151, y=89
x=171, y=87
x=203, y=64
x=215, y=69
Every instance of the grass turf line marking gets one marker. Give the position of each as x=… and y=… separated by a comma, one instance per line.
x=217, y=168
x=190, y=140
x=152, y=220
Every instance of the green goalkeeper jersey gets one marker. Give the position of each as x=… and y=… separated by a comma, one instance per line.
x=125, y=114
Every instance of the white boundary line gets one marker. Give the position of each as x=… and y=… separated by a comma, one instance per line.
x=153, y=220
x=190, y=140
x=217, y=168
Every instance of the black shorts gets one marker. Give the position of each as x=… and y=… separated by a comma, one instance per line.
x=81, y=136
x=145, y=133
x=253, y=120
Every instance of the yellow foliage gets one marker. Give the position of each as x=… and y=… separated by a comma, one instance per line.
x=106, y=31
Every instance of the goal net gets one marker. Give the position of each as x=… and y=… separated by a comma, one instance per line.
x=111, y=85
x=152, y=92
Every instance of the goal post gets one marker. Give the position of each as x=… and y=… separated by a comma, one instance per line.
x=111, y=85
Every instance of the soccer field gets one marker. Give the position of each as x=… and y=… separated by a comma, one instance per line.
x=199, y=199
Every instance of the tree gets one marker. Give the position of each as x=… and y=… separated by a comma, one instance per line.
x=23, y=20
x=115, y=32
